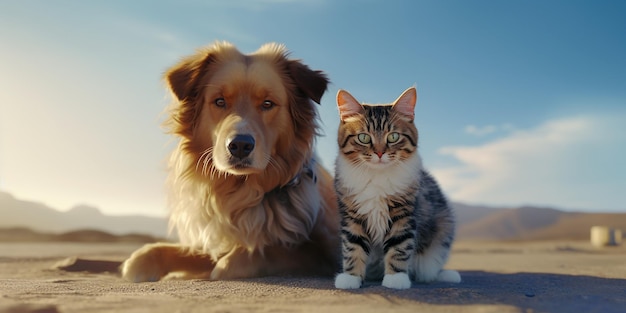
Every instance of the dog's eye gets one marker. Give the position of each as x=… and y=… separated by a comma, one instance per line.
x=267, y=105
x=220, y=102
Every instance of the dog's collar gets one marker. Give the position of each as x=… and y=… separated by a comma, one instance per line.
x=307, y=170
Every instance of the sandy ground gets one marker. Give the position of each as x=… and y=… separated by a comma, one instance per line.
x=497, y=277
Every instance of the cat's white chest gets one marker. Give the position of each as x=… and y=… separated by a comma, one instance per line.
x=372, y=187
x=375, y=208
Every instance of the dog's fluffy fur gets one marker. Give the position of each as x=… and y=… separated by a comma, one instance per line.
x=270, y=210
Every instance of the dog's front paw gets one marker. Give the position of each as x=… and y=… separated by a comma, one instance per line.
x=347, y=281
x=397, y=281
x=145, y=264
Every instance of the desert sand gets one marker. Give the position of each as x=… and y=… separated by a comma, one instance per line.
x=497, y=277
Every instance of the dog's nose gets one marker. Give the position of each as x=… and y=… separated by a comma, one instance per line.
x=241, y=146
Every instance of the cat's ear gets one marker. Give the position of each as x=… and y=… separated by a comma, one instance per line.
x=405, y=104
x=348, y=105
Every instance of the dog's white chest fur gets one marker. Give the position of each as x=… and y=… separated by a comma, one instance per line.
x=371, y=187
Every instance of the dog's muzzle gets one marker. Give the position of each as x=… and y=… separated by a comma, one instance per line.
x=240, y=146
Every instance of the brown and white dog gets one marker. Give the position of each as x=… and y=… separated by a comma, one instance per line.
x=248, y=198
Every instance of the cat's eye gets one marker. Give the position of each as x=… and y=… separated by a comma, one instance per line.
x=364, y=138
x=393, y=137
x=220, y=102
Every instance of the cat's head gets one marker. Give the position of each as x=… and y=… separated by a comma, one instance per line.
x=377, y=135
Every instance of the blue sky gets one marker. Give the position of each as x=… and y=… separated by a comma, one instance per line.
x=520, y=102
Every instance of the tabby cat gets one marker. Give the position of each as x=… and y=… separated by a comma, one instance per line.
x=395, y=222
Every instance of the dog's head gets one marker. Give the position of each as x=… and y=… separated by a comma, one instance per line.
x=244, y=114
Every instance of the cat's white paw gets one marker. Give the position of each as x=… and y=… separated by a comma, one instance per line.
x=347, y=281
x=397, y=281
x=449, y=276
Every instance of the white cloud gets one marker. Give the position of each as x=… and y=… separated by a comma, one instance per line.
x=570, y=163
x=486, y=130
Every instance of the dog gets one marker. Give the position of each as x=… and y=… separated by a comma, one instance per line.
x=248, y=198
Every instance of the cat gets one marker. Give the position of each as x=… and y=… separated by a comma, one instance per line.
x=395, y=222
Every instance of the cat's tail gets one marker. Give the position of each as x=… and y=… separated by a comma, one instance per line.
x=449, y=276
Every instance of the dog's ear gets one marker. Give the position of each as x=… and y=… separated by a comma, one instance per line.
x=312, y=83
x=184, y=81
x=184, y=77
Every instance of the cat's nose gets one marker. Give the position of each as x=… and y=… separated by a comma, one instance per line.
x=379, y=154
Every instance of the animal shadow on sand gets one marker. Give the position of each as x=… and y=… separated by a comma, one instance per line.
x=536, y=292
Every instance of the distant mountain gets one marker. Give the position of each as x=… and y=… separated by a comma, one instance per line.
x=23, y=234
x=473, y=222
x=530, y=223
x=39, y=217
x=469, y=213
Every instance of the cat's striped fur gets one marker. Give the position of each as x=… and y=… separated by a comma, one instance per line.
x=396, y=224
